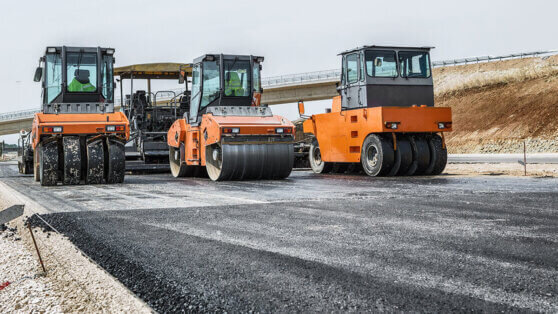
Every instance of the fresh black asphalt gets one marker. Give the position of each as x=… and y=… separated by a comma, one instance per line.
x=316, y=243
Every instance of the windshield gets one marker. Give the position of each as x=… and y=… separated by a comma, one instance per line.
x=414, y=64
x=381, y=63
x=53, y=76
x=107, y=77
x=237, y=78
x=210, y=83
x=81, y=72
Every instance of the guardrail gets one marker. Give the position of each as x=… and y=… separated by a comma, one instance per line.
x=492, y=58
x=18, y=115
x=318, y=76
x=308, y=77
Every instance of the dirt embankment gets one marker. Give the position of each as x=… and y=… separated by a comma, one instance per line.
x=498, y=105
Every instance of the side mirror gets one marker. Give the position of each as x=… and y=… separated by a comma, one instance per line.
x=301, y=108
x=378, y=62
x=181, y=77
x=38, y=74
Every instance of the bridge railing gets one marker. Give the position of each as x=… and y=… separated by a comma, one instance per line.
x=18, y=115
x=327, y=75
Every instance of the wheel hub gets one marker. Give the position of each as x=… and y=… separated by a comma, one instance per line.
x=317, y=156
x=372, y=156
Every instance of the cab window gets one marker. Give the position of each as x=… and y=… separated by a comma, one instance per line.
x=381, y=63
x=211, y=83
x=195, y=95
x=237, y=78
x=53, y=76
x=256, y=77
x=414, y=64
x=352, y=68
x=81, y=72
x=107, y=77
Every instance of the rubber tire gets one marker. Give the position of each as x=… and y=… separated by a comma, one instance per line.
x=438, y=156
x=422, y=150
x=95, y=168
x=384, y=151
x=48, y=164
x=396, y=161
x=72, y=160
x=318, y=166
x=36, y=160
x=405, y=154
x=28, y=167
x=116, y=167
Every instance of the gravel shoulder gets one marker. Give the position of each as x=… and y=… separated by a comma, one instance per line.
x=499, y=169
x=72, y=282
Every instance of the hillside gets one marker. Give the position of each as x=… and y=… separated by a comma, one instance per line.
x=499, y=104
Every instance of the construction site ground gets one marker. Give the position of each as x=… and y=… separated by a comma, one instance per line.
x=319, y=243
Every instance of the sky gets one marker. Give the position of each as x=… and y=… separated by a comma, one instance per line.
x=294, y=36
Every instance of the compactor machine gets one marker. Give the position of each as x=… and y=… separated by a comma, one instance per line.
x=151, y=113
x=225, y=128
x=78, y=137
x=384, y=119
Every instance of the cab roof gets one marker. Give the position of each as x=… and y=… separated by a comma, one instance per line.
x=227, y=57
x=423, y=48
x=163, y=71
x=76, y=49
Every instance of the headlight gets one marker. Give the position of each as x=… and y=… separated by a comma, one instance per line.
x=392, y=125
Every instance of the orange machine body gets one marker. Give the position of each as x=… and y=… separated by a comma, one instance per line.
x=79, y=124
x=342, y=132
x=215, y=129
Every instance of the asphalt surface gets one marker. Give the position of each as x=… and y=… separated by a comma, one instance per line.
x=318, y=242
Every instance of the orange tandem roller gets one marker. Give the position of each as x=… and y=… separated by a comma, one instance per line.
x=225, y=129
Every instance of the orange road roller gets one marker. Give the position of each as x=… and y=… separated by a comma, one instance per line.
x=225, y=128
x=384, y=121
x=78, y=137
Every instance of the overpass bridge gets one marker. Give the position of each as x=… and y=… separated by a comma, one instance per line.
x=282, y=89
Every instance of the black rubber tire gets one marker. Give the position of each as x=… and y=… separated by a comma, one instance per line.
x=116, y=167
x=36, y=166
x=438, y=156
x=405, y=154
x=48, y=163
x=377, y=155
x=315, y=159
x=28, y=167
x=339, y=167
x=249, y=161
x=95, y=168
x=422, y=154
x=72, y=160
x=396, y=161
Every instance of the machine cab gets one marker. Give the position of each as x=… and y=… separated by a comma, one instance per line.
x=224, y=80
x=77, y=80
x=383, y=76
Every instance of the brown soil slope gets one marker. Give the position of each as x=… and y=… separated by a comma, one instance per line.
x=498, y=105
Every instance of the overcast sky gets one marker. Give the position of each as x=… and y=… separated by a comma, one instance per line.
x=294, y=36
